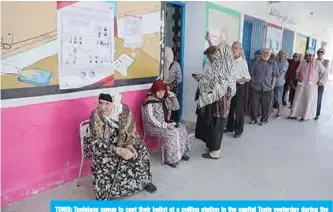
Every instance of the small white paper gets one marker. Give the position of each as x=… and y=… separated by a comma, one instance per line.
x=133, y=35
x=126, y=60
x=120, y=67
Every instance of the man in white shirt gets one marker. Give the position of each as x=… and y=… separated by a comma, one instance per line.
x=320, y=54
x=236, y=114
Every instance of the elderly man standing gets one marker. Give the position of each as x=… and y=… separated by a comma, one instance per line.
x=283, y=65
x=236, y=113
x=320, y=54
x=310, y=74
x=291, y=77
x=263, y=76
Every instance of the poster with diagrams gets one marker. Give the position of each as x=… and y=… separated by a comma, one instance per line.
x=133, y=34
x=274, y=38
x=86, y=44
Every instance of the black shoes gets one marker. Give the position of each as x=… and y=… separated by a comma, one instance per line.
x=186, y=158
x=316, y=118
x=237, y=135
x=171, y=165
x=227, y=131
x=151, y=188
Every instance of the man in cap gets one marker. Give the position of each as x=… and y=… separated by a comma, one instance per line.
x=263, y=77
x=320, y=54
x=309, y=75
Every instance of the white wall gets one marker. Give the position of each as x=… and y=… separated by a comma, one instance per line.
x=306, y=24
x=193, y=54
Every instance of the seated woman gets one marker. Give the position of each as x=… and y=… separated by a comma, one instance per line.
x=157, y=110
x=120, y=160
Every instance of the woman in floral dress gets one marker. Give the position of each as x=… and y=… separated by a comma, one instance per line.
x=157, y=111
x=120, y=160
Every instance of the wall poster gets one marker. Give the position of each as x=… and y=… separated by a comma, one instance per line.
x=86, y=44
x=55, y=50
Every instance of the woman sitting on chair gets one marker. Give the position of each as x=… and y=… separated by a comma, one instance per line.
x=120, y=160
x=157, y=111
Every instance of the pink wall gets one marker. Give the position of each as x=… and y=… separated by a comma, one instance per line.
x=41, y=146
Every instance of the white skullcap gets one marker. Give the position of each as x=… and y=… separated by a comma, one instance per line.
x=310, y=51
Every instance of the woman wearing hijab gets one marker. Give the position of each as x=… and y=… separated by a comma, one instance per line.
x=217, y=85
x=157, y=111
x=172, y=71
x=120, y=160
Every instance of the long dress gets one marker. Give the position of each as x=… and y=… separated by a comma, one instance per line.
x=114, y=177
x=175, y=78
x=156, y=115
x=305, y=100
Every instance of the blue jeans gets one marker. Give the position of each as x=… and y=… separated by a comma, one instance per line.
x=320, y=97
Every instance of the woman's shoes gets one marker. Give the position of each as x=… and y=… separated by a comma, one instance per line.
x=171, y=165
x=186, y=158
x=208, y=156
x=150, y=188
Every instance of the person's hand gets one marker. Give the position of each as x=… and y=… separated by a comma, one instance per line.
x=131, y=148
x=126, y=154
x=171, y=125
x=170, y=93
x=197, y=76
x=208, y=36
x=168, y=87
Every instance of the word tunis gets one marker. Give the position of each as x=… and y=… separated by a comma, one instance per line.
x=76, y=209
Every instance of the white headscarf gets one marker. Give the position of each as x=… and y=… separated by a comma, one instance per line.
x=117, y=107
x=310, y=51
x=168, y=60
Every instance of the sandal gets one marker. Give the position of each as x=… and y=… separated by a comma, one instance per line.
x=208, y=156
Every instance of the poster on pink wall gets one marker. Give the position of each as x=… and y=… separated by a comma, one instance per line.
x=85, y=43
x=273, y=38
x=33, y=64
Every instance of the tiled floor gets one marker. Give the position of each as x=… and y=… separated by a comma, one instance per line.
x=281, y=160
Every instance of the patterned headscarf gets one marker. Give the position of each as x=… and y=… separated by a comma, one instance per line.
x=219, y=76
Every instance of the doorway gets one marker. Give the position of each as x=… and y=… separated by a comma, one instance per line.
x=174, y=38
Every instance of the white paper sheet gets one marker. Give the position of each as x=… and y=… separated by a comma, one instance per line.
x=120, y=67
x=86, y=41
x=133, y=35
x=126, y=60
x=123, y=63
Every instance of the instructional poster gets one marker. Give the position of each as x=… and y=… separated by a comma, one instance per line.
x=46, y=54
x=86, y=44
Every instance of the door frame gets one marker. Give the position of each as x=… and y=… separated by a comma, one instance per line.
x=182, y=48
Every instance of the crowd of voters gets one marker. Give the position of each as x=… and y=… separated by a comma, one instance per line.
x=228, y=88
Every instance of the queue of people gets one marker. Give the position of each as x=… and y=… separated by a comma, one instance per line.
x=226, y=90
